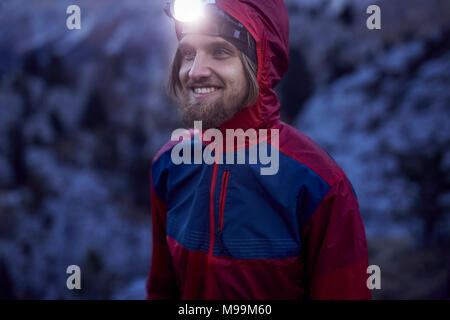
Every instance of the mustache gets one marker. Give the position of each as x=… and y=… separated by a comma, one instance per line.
x=203, y=83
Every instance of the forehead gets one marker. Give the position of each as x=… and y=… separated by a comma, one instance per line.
x=201, y=41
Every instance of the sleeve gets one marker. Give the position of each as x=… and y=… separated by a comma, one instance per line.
x=161, y=282
x=336, y=248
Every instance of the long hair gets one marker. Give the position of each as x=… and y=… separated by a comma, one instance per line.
x=250, y=69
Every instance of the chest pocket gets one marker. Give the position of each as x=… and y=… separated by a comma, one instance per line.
x=252, y=223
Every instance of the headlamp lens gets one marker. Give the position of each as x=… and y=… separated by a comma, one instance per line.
x=187, y=10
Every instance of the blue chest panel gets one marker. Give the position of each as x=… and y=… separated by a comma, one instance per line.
x=262, y=216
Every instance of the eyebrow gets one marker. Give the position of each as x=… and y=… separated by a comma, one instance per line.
x=210, y=45
x=219, y=43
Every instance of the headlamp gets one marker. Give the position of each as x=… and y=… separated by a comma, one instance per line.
x=186, y=10
x=204, y=17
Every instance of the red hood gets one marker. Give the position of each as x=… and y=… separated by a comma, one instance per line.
x=268, y=23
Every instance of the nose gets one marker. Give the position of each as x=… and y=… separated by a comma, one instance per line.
x=200, y=68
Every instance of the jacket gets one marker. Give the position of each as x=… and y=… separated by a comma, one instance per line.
x=223, y=231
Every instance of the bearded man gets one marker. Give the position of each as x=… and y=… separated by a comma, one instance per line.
x=224, y=231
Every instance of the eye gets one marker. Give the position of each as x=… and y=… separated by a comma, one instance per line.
x=221, y=52
x=188, y=54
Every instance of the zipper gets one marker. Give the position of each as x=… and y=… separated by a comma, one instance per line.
x=223, y=194
x=211, y=210
x=209, y=272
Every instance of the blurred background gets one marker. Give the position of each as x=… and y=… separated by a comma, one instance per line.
x=83, y=112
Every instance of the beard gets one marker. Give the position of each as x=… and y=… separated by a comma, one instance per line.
x=212, y=113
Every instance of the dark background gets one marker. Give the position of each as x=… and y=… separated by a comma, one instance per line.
x=82, y=113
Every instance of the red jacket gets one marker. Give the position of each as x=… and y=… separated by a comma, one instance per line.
x=226, y=232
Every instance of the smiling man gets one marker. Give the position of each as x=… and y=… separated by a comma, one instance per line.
x=224, y=231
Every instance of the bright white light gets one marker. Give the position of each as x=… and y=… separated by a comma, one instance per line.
x=188, y=10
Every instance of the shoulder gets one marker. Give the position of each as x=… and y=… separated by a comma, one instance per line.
x=162, y=161
x=159, y=168
x=304, y=150
x=167, y=147
x=164, y=150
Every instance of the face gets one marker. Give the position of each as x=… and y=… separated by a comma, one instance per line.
x=213, y=82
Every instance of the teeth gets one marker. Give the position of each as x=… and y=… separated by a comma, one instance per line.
x=204, y=90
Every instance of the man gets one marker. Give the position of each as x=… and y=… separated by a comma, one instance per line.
x=225, y=231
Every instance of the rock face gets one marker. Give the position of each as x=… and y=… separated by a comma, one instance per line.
x=82, y=113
